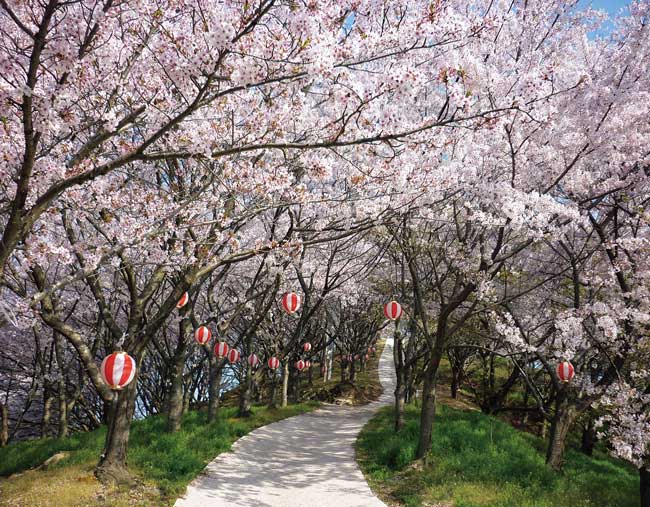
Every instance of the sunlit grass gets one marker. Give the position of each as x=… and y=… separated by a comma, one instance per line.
x=477, y=460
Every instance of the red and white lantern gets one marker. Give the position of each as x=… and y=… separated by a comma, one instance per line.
x=565, y=371
x=300, y=365
x=202, y=335
x=291, y=302
x=183, y=300
x=307, y=364
x=253, y=360
x=233, y=355
x=306, y=347
x=221, y=350
x=367, y=356
x=393, y=310
x=273, y=363
x=118, y=369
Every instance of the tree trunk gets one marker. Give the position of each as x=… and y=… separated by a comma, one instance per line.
x=588, y=437
x=63, y=399
x=175, y=403
x=644, y=476
x=214, y=391
x=428, y=411
x=565, y=415
x=245, y=396
x=455, y=381
x=4, y=427
x=353, y=371
x=47, y=412
x=285, y=383
x=344, y=367
x=400, y=383
x=112, y=466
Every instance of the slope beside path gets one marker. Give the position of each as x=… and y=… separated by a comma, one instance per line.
x=307, y=460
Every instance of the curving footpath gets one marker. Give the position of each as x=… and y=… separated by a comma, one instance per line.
x=306, y=460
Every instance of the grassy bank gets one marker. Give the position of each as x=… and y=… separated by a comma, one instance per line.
x=165, y=462
x=477, y=460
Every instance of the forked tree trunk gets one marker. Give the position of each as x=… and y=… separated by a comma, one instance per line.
x=428, y=411
x=565, y=415
x=285, y=384
x=112, y=466
x=644, y=476
x=4, y=426
x=214, y=390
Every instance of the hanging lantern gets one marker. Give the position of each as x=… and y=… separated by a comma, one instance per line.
x=291, y=302
x=349, y=357
x=221, y=350
x=393, y=310
x=233, y=355
x=306, y=346
x=253, y=360
x=307, y=364
x=300, y=365
x=373, y=349
x=273, y=363
x=367, y=356
x=202, y=335
x=356, y=357
x=565, y=371
x=118, y=369
x=183, y=300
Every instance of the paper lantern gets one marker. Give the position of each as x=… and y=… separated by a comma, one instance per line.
x=183, y=300
x=233, y=355
x=221, y=350
x=306, y=347
x=253, y=360
x=565, y=371
x=291, y=302
x=118, y=370
x=273, y=363
x=367, y=356
x=202, y=335
x=300, y=365
x=307, y=364
x=393, y=310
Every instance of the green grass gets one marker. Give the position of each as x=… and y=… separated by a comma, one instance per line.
x=168, y=461
x=477, y=460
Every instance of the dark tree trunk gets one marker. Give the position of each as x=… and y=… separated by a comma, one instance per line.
x=214, y=393
x=344, y=367
x=400, y=384
x=246, y=393
x=112, y=466
x=644, y=476
x=63, y=399
x=455, y=382
x=565, y=415
x=428, y=411
x=4, y=426
x=353, y=371
x=175, y=400
x=273, y=402
x=588, y=437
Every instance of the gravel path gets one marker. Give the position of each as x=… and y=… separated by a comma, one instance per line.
x=304, y=461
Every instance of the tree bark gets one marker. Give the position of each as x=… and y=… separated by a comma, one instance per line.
x=245, y=396
x=175, y=406
x=285, y=383
x=588, y=437
x=47, y=412
x=565, y=415
x=112, y=466
x=63, y=399
x=214, y=391
x=644, y=479
x=400, y=384
x=428, y=411
x=4, y=427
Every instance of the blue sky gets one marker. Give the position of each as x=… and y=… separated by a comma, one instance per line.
x=611, y=6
